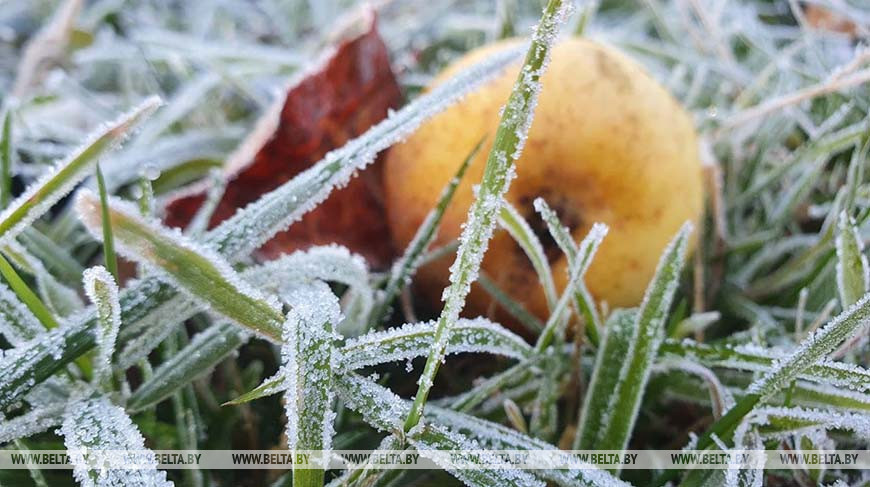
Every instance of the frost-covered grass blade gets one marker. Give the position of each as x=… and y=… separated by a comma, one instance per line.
x=403, y=269
x=308, y=356
x=41, y=195
x=103, y=292
x=194, y=269
x=646, y=336
x=498, y=173
x=853, y=272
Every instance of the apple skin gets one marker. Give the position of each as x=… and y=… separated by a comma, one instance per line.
x=608, y=144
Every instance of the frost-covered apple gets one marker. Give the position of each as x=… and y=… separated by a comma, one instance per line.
x=608, y=144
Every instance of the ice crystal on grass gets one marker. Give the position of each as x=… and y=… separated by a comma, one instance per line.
x=32, y=422
x=17, y=323
x=555, y=324
x=98, y=427
x=55, y=184
x=197, y=270
x=103, y=292
x=814, y=348
x=414, y=339
x=308, y=362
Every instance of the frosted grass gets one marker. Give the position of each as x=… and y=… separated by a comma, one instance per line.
x=511, y=220
x=583, y=302
x=647, y=335
x=412, y=340
x=308, y=357
x=101, y=289
x=61, y=179
x=498, y=173
x=404, y=268
x=97, y=424
x=197, y=270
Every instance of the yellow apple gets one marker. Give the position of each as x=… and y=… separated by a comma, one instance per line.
x=608, y=144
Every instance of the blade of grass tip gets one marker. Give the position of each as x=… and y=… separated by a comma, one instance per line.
x=647, y=335
x=583, y=302
x=60, y=180
x=815, y=347
x=404, y=268
x=588, y=247
x=6, y=160
x=101, y=289
x=498, y=173
x=853, y=274
x=28, y=297
x=519, y=229
x=108, y=240
x=197, y=270
x=605, y=375
x=308, y=357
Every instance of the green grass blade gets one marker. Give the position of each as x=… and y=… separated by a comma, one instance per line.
x=583, y=302
x=555, y=324
x=27, y=296
x=6, y=160
x=518, y=374
x=41, y=195
x=194, y=269
x=499, y=170
x=757, y=359
x=853, y=273
x=511, y=220
x=413, y=340
x=207, y=349
x=308, y=357
x=403, y=269
x=103, y=292
x=611, y=355
x=57, y=259
x=813, y=349
x=647, y=334
x=781, y=423
x=17, y=323
x=429, y=439
x=513, y=307
x=108, y=240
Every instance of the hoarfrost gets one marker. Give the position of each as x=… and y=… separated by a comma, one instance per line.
x=96, y=426
x=308, y=356
x=17, y=323
x=103, y=292
x=32, y=422
x=414, y=340
x=66, y=174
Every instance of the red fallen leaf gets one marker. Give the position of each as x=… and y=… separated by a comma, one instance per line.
x=351, y=90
